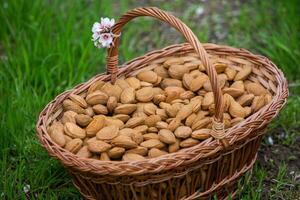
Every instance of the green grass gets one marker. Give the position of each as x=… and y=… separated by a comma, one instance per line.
x=46, y=48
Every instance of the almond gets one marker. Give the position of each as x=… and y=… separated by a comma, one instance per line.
x=177, y=71
x=109, y=121
x=168, y=82
x=135, y=121
x=201, y=134
x=70, y=105
x=236, y=110
x=83, y=120
x=256, y=89
x=189, y=142
x=184, y=112
x=207, y=100
x=186, y=95
x=128, y=95
x=149, y=109
x=162, y=113
x=243, y=74
x=111, y=104
x=124, y=141
x=145, y=94
x=74, y=145
x=122, y=117
x=95, y=86
x=74, y=131
x=95, y=125
x=98, y=146
x=127, y=131
x=137, y=137
x=89, y=111
x=112, y=90
x=108, y=133
x=152, y=130
x=230, y=73
x=104, y=156
x=161, y=71
x=220, y=67
x=245, y=99
x=258, y=103
x=174, y=124
x=183, y=132
x=151, y=120
x=174, y=147
x=147, y=76
x=141, y=128
x=69, y=116
x=84, y=152
x=116, y=152
x=149, y=136
x=198, y=124
x=97, y=97
x=154, y=152
x=132, y=157
x=172, y=61
x=133, y=82
x=197, y=83
x=159, y=98
x=152, y=143
x=78, y=100
x=143, y=151
x=125, y=109
x=190, y=119
x=166, y=136
x=100, y=109
x=122, y=84
x=56, y=133
x=161, y=125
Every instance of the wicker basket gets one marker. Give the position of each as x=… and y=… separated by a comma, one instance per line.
x=211, y=168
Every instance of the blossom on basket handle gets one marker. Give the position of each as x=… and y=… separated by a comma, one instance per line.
x=102, y=33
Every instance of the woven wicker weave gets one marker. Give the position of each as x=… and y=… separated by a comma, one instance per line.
x=207, y=169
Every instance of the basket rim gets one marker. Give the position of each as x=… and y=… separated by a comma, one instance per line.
x=203, y=150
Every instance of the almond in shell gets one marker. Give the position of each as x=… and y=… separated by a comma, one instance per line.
x=111, y=104
x=78, y=100
x=147, y=76
x=98, y=146
x=143, y=151
x=256, y=89
x=124, y=141
x=125, y=109
x=74, y=131
x=74, y=145
x=132, y=157
x=128, y=95
x=108, y=133
x=243, y=74
x=183, y=132
x=154, y=152
x=95, y=125
x=201, y=134
x=97, y=97
x=83, y=120
x=84, y=152
x=189, y=142
x=134, y=122
x=133, y=82
x=166, y=136
x=151, y=120
x=116, y=152
x=70, y=105
x=69, y=116
x=100, y=109
x=145, y=94
x=152, y=143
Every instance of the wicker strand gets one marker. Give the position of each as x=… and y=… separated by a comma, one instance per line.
x=218, y=132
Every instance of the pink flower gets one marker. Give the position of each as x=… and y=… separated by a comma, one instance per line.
x=102, y=35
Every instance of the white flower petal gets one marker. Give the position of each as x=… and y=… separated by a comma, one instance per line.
x=96, y=27
x=96, y=36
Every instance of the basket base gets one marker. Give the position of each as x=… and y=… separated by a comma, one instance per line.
x=226, y=189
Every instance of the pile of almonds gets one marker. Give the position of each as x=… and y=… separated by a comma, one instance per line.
x=159, y=110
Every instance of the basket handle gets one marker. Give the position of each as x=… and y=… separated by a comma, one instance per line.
x=112, y=59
